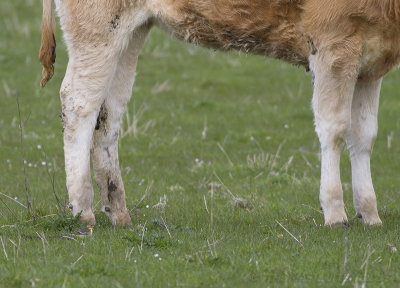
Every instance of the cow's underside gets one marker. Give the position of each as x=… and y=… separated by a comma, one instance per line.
x=348, y=45
x=264, y=27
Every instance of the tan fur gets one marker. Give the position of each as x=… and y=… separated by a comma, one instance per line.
x=265, y=27
x=290, y=30
x=283, y=29
x=47, y=53
x=348, y=46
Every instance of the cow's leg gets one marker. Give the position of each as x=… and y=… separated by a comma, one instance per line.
x=364, y=128
x=105, y=141
x=332, y=109
x=88, y=76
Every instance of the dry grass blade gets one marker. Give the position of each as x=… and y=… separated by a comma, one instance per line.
x=44, y=242
x=146, y=192
x=28, y=202
x=77, y=260
x=226, y=154
x=166, y=227
x=141, y=243
x=290, y=234
x=52, y=181
x=131, y=125
x=204, y=132
x=160, y=206
x=4, y=248
x=237, y=201
x=365, y=264
x=8, y=226
x=8, y=208
x=69, y=238
x=205, y=204
x=4, y=216
x=12, y=199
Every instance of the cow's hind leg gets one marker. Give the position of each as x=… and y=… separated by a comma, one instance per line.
x=105, y=141
x=88, y=77
x=364, y=128
x=332, y=108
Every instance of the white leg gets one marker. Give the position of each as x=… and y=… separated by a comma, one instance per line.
x=364, y=128
x=83, y=90
x=105, y=141
x=332, y=109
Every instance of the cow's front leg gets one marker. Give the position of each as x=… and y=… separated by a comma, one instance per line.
x=105, y=143
x=364, y=128
x=82, y=94
x=332, y=109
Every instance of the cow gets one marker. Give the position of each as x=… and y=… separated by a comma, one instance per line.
x=347, y=45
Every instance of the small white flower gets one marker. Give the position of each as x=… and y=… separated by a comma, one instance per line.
x=49, y=163
x=134, y=261
x=25, y=162
x=8, y=160
x=39, y=146
x=35, y=165
x=251, y=138
x=286, y=126
x=156, y=255
x=197, y=160
x=30, y=164
x=43, y=163
x=147, y=206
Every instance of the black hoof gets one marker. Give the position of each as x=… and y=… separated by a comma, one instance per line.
x=346, y=224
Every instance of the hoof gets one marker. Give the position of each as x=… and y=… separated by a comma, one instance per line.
x=372, y=220
x=338, y=221
x=343, y=224
x=335, y=216
x=121, y=219
x=88, y=218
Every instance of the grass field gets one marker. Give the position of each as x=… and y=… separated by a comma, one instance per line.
x=222, y=148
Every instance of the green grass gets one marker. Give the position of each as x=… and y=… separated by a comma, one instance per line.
x=250, y=107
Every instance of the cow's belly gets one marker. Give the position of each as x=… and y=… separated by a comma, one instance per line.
x=256, y=27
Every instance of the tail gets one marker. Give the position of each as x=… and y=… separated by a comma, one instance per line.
x=47, y=53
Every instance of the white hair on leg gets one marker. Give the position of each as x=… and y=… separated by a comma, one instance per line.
x=364, y=128
x=81, y=95
x=105, y=141
x=332, y=109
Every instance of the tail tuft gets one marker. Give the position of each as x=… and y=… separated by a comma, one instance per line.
x=47, y=53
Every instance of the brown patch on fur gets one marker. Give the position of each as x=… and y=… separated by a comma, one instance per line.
x=111, y=188
x=47, y=53
x=63, y=120
x=108, y=152
x=114, y=22
x=102, y=118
